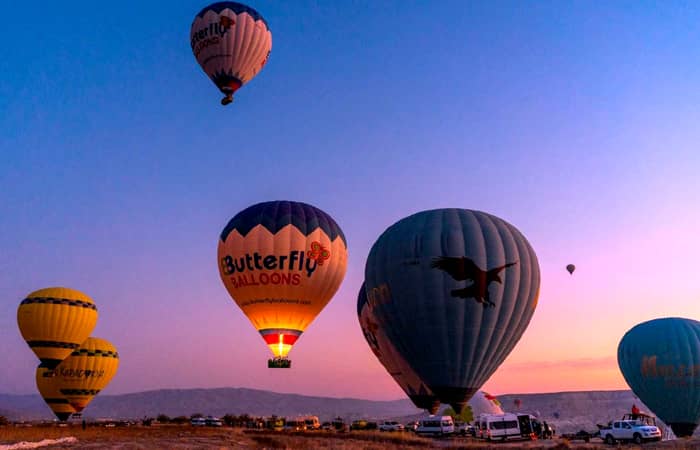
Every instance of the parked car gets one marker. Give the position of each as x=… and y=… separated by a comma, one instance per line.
x=198, y=422
x=295, y=425
x=630, y=430
x=212, y=421
x=411, y=426
x=359, y=424
x=339, y=424
x=464, y=429
x=390, y=426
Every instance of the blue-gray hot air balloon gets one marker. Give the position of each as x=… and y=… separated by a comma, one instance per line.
x=391, y=359
x=660, y=360
x=454, y=290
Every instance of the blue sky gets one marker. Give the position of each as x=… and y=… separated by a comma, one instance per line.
x=575, y=121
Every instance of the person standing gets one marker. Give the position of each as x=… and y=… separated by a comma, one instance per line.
x=635, y=411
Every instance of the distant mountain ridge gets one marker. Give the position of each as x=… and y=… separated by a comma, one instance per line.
x=216, y=401
x=568, y=411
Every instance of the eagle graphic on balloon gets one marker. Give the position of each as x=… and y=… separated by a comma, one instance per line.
x=462, y=269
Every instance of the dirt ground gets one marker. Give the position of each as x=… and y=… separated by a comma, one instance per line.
x=187, y=437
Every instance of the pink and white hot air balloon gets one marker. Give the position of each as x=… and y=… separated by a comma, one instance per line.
x=231, y=42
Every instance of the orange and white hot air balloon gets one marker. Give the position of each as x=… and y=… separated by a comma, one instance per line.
x=231, y=42
x=282, y=262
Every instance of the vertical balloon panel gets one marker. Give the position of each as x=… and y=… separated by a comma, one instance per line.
x=391, y=359
x=48, y=386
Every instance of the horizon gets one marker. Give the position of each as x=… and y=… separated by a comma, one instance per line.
x=575, y=123
x=403, y=398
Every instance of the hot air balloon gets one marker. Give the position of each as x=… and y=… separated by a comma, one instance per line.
x=231, y=42
x=485, y=403
x=87, y=371
x=570, y=268
x=55, y=321
x=454, y=289
x=391, y=359
x=46, y=384
x=660, y=360
x=281, y=262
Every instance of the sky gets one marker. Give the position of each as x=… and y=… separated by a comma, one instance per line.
x=576, y=122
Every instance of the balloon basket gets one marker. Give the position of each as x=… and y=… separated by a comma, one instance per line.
x=279, y=363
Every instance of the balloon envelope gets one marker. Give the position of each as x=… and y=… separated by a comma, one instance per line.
x=49, y=389
x=231, y=43
x=391, y=359
x=455, y=290
x=55, y=321
x=282, y=262
x=660, y=360
x=570, y=268
x=485, y=403
x=87, y=371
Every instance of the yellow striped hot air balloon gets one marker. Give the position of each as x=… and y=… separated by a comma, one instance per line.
x=282, y=262
x=47, y=384
x=87, y=371
x=55, y=321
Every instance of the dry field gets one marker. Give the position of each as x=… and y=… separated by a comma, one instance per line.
x=187, y=437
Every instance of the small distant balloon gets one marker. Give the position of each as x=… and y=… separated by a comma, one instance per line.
x=231, y=42
x=570, y=268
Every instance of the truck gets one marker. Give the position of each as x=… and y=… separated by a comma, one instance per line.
x=626, y=430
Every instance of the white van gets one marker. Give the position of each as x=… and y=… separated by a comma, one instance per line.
x=198, y=421
x=436, y=425
x=499, y=427
x=312, y=423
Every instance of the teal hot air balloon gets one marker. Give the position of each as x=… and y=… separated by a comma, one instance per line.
x=660, y=360
x=454, y=289
x=391, y=359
